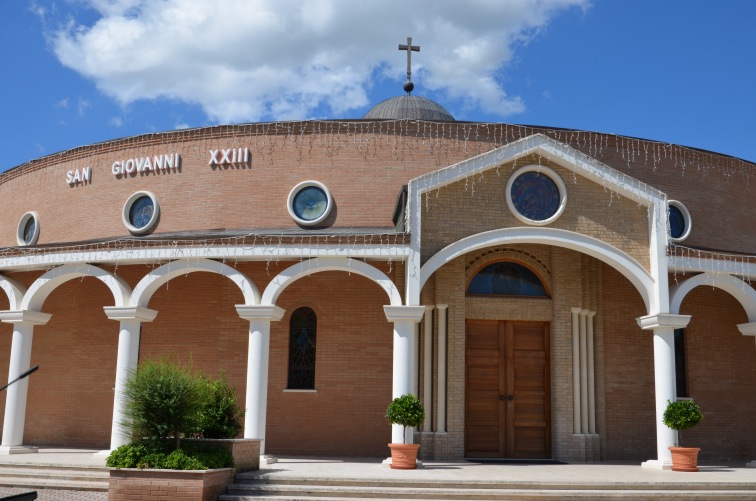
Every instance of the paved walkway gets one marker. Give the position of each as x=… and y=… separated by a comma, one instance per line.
x=449, y=471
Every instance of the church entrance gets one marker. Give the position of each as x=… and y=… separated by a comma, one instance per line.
x=507, y=390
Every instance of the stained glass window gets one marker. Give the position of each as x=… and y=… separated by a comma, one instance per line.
x=506, y=278
x=141, y=211
x=303, y=328
x=310, y=203
x=681, y=379
x=535, y=196
x=676, y=222
x=29, y=229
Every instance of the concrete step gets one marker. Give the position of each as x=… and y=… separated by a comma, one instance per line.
x=249, y=489
x=55, y=477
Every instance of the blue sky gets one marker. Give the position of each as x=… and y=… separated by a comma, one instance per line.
x=76, y=72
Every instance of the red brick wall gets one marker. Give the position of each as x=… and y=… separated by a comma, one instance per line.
x=721, y=367
x=629, y=372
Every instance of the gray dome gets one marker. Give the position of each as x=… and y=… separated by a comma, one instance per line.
x=409, y=107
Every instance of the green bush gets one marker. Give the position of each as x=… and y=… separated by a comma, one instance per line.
x=406, y=410
x=163, y=400
x=682, y=415
x=157, y=454
x=219, y=414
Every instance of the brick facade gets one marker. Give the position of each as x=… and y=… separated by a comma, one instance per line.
x=70, y=400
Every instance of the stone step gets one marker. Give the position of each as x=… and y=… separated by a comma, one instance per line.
x=247, y=488
x=54, y=477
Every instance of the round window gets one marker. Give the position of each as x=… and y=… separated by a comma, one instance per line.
x=679, y=221
x=140, y=213
x=536, y=195
x=28, y=229
x=309, y=203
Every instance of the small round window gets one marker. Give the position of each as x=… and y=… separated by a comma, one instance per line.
x=536, y=195
x=679, y=221
x=140, y=212
x=28, y=229
x=309, y=203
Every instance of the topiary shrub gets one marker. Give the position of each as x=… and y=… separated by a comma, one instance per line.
x=406, y=410
x=682, y=415
x=219, y=414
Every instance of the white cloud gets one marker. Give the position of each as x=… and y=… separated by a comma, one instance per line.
x=249, y=60
x=116, y=121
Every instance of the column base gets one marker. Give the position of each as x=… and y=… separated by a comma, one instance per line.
x=657, y=464
x=7, y=450
x=752, y=464
x=387, y=463
x=268, y=459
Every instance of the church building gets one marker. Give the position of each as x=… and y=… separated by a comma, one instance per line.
x=543, y=291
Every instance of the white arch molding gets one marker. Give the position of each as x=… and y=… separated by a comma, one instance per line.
x=737, y=288
x=14, y=291
x=42, y=287
x=156, y=278
x=617, y=259
x=304, y=268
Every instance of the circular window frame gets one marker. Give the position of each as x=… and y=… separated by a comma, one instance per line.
x=542, y=170
x=127, y=208
x=22, y=227
x=686, y=217
x=295, y=191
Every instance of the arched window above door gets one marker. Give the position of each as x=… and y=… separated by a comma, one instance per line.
x=506, y=278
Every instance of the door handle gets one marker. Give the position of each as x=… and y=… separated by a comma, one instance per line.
x=510, y=397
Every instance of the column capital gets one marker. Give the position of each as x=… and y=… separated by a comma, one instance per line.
x=748, y=329
x=260, y=312
x=663, y=321
x=429, y=309
x=28, y=317
x=130, y=313
x=442, y=306
x=576, y=310
x=404, y=313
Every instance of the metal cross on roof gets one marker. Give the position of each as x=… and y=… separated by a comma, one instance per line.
x=409, y=48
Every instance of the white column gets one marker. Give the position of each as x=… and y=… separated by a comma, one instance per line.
x=748, y=329
x=428, y=368
x=405, y=319
x=130, y=319
x=664, y=326
x=576, y=421
x=441, y=393
x=591, y=376
x=583, y=373
x=20, y=361
x=258, y=354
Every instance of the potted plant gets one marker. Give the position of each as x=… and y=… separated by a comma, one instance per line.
x=406, y=411
x=683, y=415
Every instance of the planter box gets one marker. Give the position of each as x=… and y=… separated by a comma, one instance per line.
x=164, y=485
x=246, y=451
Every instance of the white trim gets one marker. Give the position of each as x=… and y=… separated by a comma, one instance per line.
x=293, y=193
x=14, y=290
x=289, y=390
x=554, y=177
x=735, y=265
x=22, y=226
x=155, y=278
x=283, y=252
x=617, y=259
x=686, y=218
x=127, y=208
x=741, y=291
x=299, y=270
x=44, y=285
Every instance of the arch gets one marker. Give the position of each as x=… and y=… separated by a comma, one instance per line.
x=304, y=268
x=156, y=278
x=626, y=265
x=14, y=290
x=737, y=288
x=42, y=287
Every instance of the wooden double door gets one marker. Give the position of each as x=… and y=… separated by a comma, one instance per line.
x=507, y=390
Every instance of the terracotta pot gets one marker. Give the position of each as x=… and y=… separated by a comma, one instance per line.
x=404, y=456
x=684, y=458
